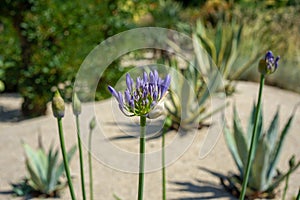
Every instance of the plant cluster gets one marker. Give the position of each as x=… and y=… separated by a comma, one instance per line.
x=256, y=153
x=264, y=175
x=44, y=30
x=187, y=104
x=45, y=172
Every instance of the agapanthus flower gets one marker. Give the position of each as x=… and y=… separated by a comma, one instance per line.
x=142, y=98
x=269, y=64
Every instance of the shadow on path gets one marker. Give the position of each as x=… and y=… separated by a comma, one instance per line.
x=10, y=108
x=9, y=115
x=205, y=189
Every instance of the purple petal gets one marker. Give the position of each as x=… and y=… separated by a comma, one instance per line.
x=120, y=100
x=269, y=55
x=131, y=104
x=165, y=85
x=129, y=82
x=113, y=92
x=145, y=93
x=155, y=95
x=145, y=77
x=150, y=89
x=138, y=83
x=156, y=77
x=167, y=81
x=151, y=77
x=127, y=96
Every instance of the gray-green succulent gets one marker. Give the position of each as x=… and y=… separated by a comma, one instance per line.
x=223, y=44
x=190, y=92
x=44, y=169
x=264, y=175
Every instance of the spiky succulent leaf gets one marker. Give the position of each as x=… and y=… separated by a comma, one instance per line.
x=188, y=98
x=35, y=166
x=274, y=157
x=186, y=101
x=239, y=137
x=43, y=169
x=259, y=167
x=52, y=168
x=202, y=59
x=267, y=150
x=272, y=132
x=219, y=41
x=205, y=40
x=233, y=149
x=251, y=125
x=260, y=126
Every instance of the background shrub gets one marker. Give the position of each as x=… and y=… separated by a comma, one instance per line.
x=43, y=43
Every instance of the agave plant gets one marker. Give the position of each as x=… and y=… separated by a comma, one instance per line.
x=264, y=175
x=190, y=92
x=45, y=172
x=223, y=45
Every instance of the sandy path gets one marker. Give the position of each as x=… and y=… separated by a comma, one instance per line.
x=186, y=177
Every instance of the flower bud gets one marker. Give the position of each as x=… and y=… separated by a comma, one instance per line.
x=268, y=65
x=58, y=105
x=92, y=123
x=76, y=105
x=292, y=161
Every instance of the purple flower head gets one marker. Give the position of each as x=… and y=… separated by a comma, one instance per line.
x=143, y=98
x=269, y=64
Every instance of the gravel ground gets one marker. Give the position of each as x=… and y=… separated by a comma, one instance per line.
x=189, y=171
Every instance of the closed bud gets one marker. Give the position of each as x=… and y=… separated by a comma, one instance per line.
x=58, y=105
x=269, y=64
x=76, y=105
x=292, y=161
x=92, y=123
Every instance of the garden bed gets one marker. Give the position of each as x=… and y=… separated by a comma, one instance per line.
x=189, y=177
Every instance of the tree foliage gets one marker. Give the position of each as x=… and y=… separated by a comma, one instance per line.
x=43, y=43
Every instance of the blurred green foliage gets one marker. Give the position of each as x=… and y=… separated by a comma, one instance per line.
x=46, y=41
x=278, y=28
x=43, y=43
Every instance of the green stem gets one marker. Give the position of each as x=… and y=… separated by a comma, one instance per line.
x=80, y=158
x=142, y=157
x=253, y=139
x=286, y=186
x=64, y=154
x=298, y=196
x=164, y=193
x=90, y=166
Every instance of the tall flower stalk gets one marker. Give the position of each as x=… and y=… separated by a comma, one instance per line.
x=143, y=100
x=92, y=126
x=266, y=66
x=142, y=157
x=167, y=125
x=76, y=106
x=58, y=108
x=163, y=161
x=291, y=165
x=298, y=195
